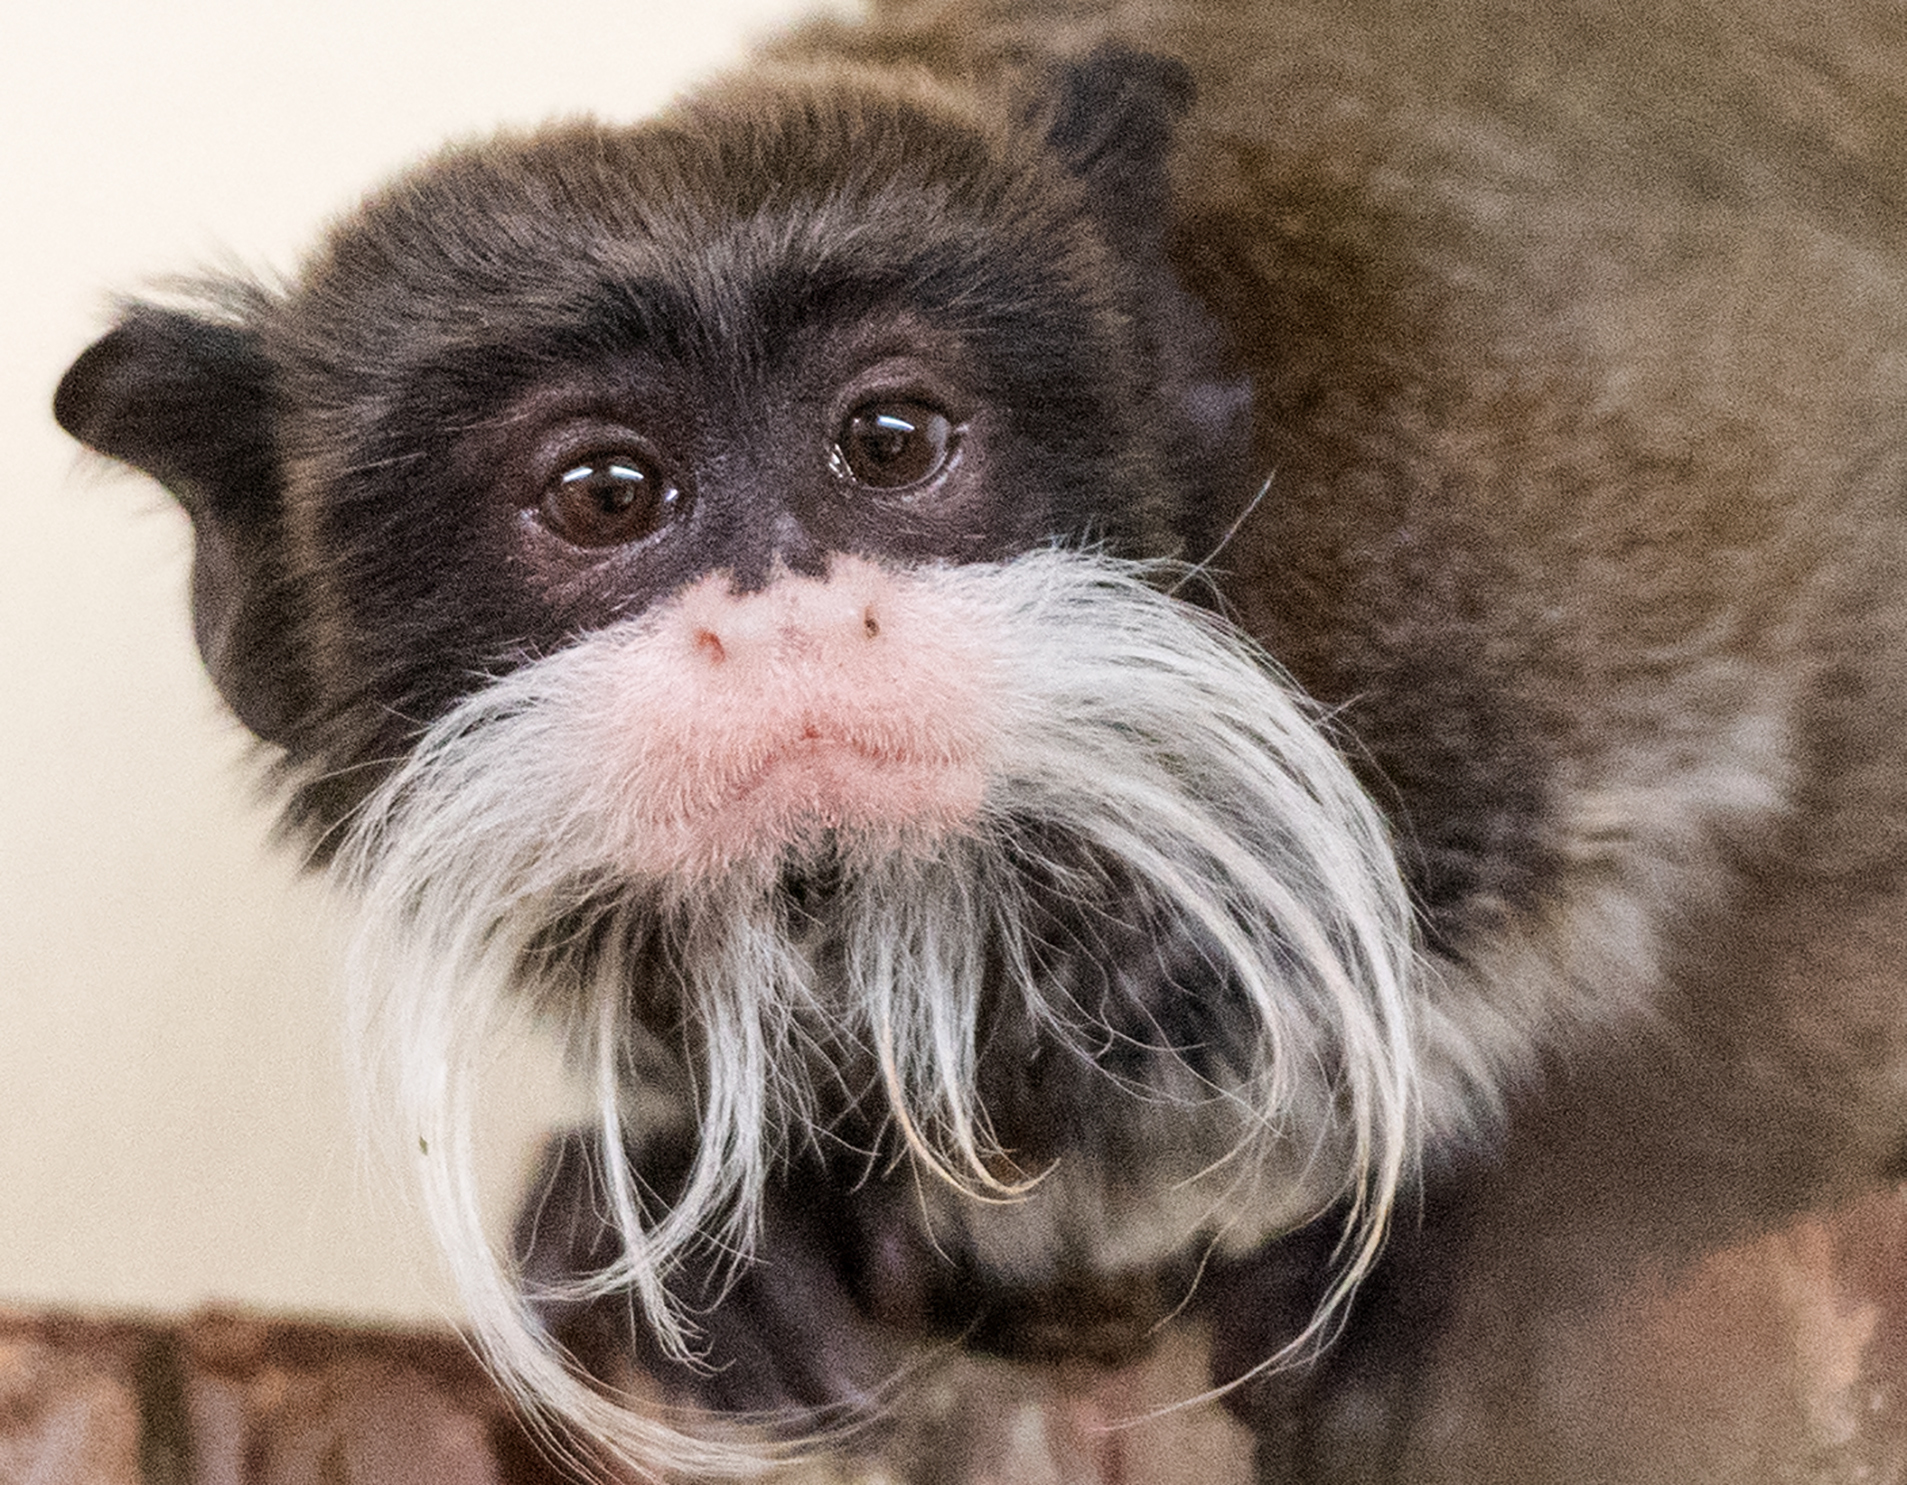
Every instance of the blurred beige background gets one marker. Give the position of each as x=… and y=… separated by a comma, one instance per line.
x=173, y=1120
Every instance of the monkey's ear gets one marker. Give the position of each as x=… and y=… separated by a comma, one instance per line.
x=188, y=400
x=1114, y=114
x=1111, y=118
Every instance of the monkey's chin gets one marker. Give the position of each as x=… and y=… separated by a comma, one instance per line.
x=1165, y=949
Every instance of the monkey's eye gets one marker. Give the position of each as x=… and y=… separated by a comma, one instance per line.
x=892, y=445
x=608, y=499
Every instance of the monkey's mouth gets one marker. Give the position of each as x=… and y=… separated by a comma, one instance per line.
x=830, y=773
x=822, y=783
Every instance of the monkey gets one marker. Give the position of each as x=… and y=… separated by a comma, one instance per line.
x=1119, y=671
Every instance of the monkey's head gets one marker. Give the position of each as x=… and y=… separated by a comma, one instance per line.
x=703, y=580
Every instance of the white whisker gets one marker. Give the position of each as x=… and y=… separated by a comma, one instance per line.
x=1138, y=755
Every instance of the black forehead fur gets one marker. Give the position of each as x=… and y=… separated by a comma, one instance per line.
x=710, y=236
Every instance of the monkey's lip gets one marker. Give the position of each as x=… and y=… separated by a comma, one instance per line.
x=819, y=780
x=830, y=757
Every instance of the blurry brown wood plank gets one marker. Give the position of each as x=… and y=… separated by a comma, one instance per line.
x=229, y=1399
x=1782, y=1358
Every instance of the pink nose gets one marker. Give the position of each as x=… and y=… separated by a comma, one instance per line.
x=821, y=625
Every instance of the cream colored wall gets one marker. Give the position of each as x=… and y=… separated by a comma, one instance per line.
x=173, y=1126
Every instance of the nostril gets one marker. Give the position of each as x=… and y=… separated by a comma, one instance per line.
x=709, y=645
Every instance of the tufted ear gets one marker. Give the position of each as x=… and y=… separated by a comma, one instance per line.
x=188, y=400
x=1114, y=115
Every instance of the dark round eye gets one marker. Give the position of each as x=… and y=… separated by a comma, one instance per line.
x=608, y=499
x=891, y=445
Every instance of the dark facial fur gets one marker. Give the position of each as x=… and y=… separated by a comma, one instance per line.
x=995, y=947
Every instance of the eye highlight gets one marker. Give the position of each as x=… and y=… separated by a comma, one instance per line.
x=893, y=444
x=609, y=499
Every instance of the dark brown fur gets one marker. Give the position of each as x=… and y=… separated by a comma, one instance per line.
x=1576, y=341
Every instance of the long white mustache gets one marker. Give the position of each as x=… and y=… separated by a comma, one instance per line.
x=500, y=882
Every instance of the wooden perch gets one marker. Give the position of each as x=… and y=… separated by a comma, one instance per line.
x=1783, y=1358
x=227, y=1399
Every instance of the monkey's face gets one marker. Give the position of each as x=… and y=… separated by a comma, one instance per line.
x=542, y=385
x=688, y=568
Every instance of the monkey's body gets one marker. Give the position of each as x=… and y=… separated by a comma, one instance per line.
x=1573, y=355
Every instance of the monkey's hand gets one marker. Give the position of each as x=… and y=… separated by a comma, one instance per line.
x=789, y=1336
